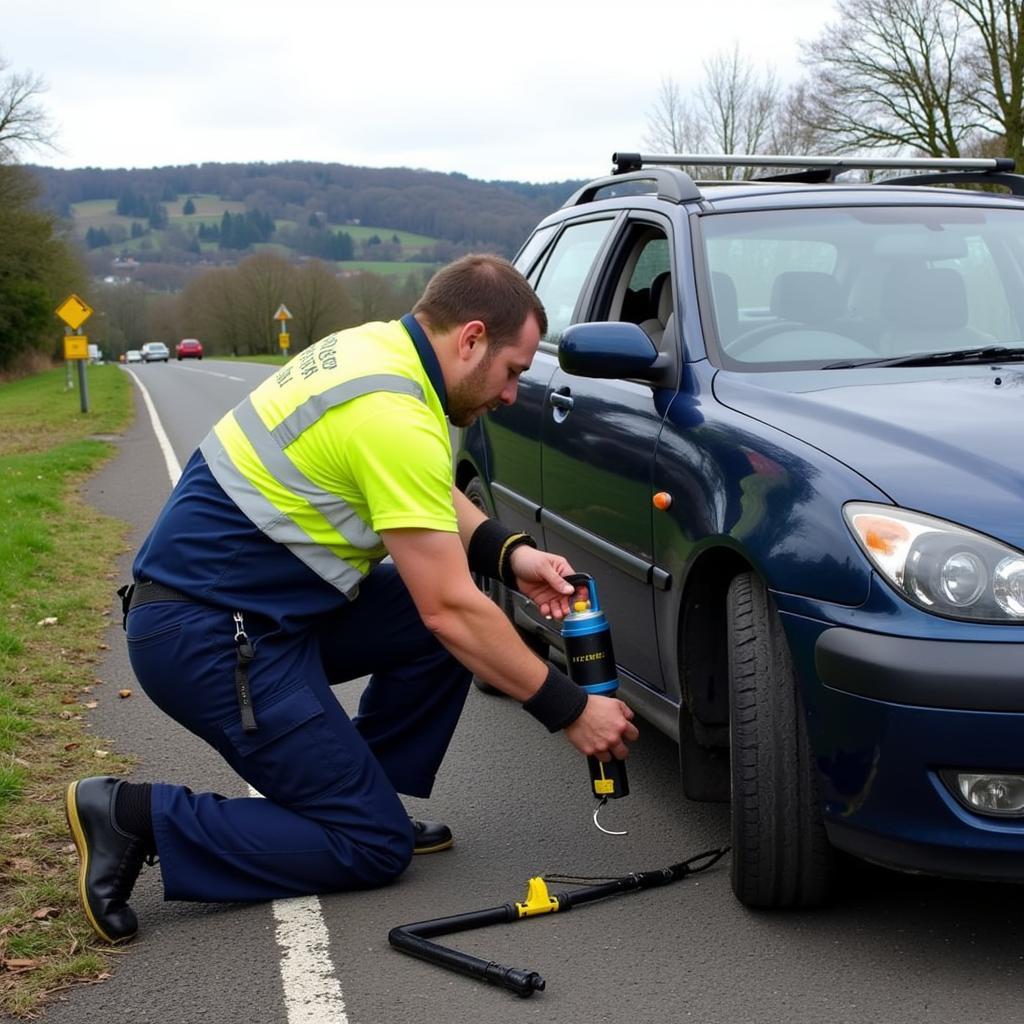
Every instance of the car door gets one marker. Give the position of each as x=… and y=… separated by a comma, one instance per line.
x=597, y=453
x=558, y=271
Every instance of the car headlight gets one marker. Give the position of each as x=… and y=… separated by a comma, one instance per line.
x=939, y=566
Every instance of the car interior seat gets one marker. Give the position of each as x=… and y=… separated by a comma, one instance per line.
x=726, y=305
x=807, y=297
x=924, y=309
x=661, y=307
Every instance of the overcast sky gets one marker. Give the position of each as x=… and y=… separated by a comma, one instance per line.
x=533, y=90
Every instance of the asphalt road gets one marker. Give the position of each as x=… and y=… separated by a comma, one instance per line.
x=891, y=949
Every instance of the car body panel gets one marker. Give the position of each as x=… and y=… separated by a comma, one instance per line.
x=154, y=352
x=758, y=463
x=941, y=447
x=189, y=348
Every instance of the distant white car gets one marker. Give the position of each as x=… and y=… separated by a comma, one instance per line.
x=133, y=355
x=155, y=352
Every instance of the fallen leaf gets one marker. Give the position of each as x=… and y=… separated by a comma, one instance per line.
x=102, y=753
x=124, y=693
x=44, y=912
x=72, y=746
x=50, y=620
x=103, y=647
x=69, y=698
x=90, y=704
x=20, y=965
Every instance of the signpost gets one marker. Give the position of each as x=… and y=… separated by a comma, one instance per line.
x=283, y=315
x=74, y=312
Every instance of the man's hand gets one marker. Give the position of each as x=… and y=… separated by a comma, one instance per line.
x=603, y=729
x=540, y=575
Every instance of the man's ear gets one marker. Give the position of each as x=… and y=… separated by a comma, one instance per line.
x=471, y=336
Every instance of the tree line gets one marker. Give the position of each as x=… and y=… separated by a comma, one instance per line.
x=38, y=267
x=451, y=207
x=231, y=309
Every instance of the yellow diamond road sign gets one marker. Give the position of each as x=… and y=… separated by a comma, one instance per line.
x=283, y=313
x=74, y=311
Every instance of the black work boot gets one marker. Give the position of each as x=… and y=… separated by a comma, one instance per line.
x=110, y=859
x=430, y=836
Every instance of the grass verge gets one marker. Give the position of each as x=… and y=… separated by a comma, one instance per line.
x=57, y=570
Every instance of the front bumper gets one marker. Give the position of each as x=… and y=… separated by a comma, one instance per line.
x=885, y=715
x=929, y=673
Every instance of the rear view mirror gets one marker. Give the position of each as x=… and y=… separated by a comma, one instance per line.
x=610, y=350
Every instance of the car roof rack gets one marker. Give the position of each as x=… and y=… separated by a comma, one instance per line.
x=825, y=169
x=670, y=183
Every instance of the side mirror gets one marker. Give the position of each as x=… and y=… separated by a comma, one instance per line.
x=610, y=350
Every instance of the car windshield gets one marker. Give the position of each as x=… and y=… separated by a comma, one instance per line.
x=839, y=287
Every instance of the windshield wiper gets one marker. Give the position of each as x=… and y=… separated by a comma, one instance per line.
x=1003, y=353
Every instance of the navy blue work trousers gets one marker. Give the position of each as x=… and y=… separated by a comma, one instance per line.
x=329, y=818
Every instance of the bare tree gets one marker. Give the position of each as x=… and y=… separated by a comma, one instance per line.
x=319, y=303
x=373, y=298
x=995, y=61
x=733, y=110
x=208, y=310
x=122, y=322
x=24, y=124
x=892, y=74
x=670, y=123
x=264, y=281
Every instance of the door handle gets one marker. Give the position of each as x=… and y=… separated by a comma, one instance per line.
x=560, y=400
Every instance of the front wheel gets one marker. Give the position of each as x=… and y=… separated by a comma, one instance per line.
x=781, y=856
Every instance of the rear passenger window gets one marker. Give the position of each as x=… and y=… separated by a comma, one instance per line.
x=566, y=270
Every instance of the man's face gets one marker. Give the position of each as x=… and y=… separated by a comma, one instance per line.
x=493, y=378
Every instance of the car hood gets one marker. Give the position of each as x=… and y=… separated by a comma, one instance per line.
x=941, y=440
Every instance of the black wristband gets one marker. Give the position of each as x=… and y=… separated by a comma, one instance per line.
x=489, y=550
x=558, y=703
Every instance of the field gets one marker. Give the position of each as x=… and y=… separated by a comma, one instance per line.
x=101, y=213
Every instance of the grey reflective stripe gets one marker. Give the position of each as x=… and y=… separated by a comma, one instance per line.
x=275, y=524
x=269, y=447
x=340, y=515
x=313, y=408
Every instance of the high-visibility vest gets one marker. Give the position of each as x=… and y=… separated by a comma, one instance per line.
x=248, y=452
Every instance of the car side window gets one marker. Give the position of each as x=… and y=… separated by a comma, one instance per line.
x=528, y=254
x=640, y=290
x=565, y=272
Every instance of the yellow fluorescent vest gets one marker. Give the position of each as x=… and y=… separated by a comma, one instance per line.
x=316, y=471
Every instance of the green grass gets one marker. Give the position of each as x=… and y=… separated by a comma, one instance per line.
x=56, y=562
x=410, y=242
x=278, y=360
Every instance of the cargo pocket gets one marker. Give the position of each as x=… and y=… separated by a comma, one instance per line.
x=293, y=756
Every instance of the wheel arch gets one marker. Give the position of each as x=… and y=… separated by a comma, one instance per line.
x=702, y=670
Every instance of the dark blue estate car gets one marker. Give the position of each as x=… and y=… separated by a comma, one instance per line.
x=782, y=424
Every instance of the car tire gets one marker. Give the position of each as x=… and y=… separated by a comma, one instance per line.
x=497, y=592
x=781, y=856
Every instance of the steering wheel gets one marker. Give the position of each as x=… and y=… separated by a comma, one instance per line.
x=748, y=339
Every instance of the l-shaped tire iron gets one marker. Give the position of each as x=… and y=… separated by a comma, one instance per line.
x=590, y=662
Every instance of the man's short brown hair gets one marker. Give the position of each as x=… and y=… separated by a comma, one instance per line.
x=481, y=287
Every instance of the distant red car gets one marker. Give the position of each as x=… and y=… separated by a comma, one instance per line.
x=189, y=348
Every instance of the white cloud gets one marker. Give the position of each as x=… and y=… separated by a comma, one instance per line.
x=532, y=91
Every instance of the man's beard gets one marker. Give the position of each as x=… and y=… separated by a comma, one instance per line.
x=467, y=400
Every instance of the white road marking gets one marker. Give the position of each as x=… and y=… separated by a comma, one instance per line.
x=312, y=991
x=173, y=466
x=210, y=373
